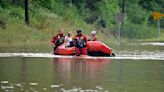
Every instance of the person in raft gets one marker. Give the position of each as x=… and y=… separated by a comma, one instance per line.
x=58, y=39
x=80, y=41
x=94, y=37
x=69, y=40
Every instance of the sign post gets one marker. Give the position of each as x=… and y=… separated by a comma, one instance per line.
x=157, y=16
x=158, y=28
x=119, y=20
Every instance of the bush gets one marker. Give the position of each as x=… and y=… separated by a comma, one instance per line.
x=138, y=31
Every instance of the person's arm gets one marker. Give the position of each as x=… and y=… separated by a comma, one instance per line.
x=74, y=40
x=53, y=41
x=95, y=38
x=65, y=39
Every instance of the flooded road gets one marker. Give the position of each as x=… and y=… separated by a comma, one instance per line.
x=136, y=68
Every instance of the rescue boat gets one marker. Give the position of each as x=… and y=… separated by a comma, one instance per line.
x=63, y=50
x=94, y=48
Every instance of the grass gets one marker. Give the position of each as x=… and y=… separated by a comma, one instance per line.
x=44, y=24
x=156, y=39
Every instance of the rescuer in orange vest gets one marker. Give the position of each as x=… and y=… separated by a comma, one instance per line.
x=80, y=41
x=58, y=39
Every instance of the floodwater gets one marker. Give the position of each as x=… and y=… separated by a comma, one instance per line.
x=136, y=68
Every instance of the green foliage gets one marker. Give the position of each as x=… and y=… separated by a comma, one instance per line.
x=151, y=5
x=135, y=13
x=18, y=33
x=108, y=8
x=138, y=31
x=47, y=16
x=6, y=3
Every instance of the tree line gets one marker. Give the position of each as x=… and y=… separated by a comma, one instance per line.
x=101, y=13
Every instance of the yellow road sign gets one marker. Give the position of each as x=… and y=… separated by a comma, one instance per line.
x=157, y=15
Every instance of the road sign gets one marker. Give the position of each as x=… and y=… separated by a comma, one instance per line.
x=120, y=17
x=157, y=15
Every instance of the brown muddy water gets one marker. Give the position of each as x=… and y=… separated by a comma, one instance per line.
x=136, y=68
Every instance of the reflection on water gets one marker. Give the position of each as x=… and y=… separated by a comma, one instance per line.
x=58, y=74
x=86, y=73
x=84, y=70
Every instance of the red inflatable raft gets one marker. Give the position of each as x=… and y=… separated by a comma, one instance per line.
x=94, y=48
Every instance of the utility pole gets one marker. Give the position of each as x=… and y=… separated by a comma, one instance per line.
x=123, y=6
x=27, y=12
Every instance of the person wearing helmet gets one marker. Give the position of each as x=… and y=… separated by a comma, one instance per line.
x=94, y=37
x=58, y=39
x=80, y=43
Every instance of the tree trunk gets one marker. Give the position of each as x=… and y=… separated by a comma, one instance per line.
x=13, y=1
x=26, y=12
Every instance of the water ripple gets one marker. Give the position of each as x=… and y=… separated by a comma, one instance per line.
x=144, y=55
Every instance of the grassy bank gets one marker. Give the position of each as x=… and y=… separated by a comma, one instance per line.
x=47, y=19
x=43, y=25
x=156, y=39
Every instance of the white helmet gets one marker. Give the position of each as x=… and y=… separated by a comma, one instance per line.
x=93, y=32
